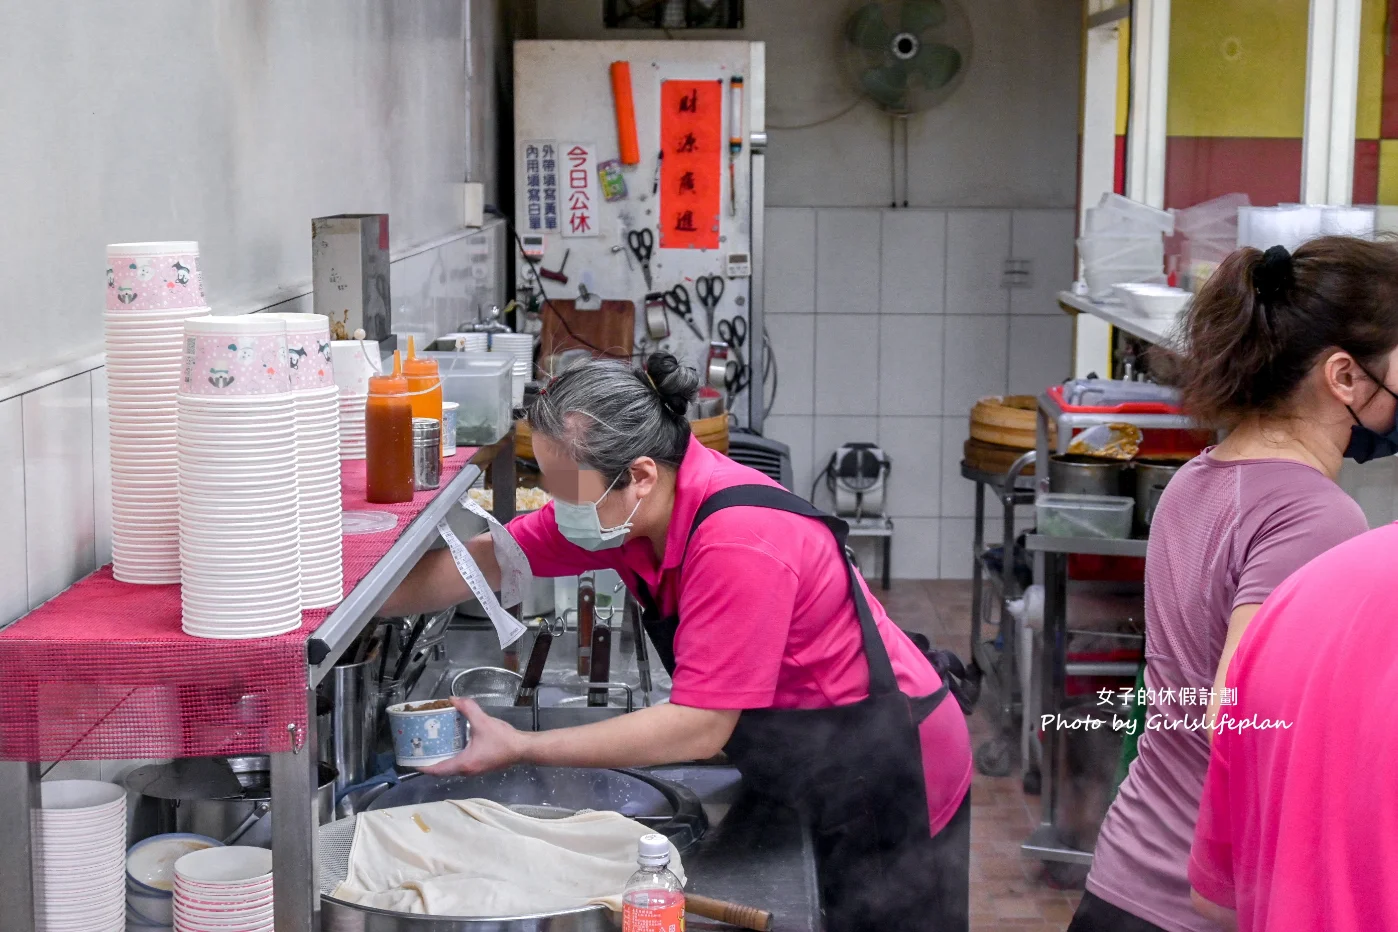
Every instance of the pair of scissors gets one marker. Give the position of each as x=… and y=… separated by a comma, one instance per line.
x=677, y=300
x=642, y=243
x=709, y=288
x=735, y=333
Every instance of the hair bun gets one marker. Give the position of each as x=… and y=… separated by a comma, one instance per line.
x=676, y=385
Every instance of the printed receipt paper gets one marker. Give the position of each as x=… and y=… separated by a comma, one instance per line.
x=514, y=573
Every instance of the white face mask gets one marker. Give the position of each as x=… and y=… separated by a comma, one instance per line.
x=581, y=525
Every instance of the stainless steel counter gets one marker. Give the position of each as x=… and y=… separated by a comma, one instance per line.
x=756, y=853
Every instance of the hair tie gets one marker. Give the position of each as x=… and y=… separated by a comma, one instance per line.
x=1273, y=276
x=653, y=386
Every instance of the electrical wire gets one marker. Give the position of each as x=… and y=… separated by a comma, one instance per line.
x=821, y=122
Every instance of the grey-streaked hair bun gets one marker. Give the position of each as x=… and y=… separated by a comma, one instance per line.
x=676, y=385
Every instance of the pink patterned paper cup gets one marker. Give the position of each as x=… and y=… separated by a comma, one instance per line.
x=153, y=276
x=235, y=356
x=308, y=348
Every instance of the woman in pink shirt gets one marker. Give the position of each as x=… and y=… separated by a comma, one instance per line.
x=1299, y=824
x=778, y=653
x=1294, y=355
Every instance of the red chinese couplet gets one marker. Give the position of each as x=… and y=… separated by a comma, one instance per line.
x=691, y=173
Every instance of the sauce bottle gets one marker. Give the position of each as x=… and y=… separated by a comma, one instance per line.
x=653, y=900
x=388, y=438
x=424, y=385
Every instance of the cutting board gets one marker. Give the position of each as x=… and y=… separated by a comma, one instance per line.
x=611, y=329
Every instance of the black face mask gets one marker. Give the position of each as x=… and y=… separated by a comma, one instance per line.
x=1365, y=443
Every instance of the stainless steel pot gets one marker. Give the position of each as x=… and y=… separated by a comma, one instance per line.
x=1085, y=475
x=1151, y=478
x=165, y=806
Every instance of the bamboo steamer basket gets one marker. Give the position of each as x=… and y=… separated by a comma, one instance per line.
x=711, y=431
x=1008, y=421
x=992, y=458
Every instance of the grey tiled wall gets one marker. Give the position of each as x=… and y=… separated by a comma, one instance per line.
x=888, y=325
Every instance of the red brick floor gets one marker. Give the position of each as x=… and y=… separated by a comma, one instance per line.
x=1007, y=889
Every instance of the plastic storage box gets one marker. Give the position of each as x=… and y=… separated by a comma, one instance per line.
x=1063, y=515
x=480, y=384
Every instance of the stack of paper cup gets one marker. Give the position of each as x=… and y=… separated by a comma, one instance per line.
x=151, y=289
x=240, y=558
x=224, y=890
x=355, y=361
x=521, y=347
x=316, y=398
x=79, y=836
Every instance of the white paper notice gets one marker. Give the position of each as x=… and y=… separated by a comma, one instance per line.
x=515, y=577
x=506, y=625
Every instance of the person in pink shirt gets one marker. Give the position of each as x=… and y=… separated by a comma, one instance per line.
x=1295, y=356
x=1298, y=829
x=779, y=655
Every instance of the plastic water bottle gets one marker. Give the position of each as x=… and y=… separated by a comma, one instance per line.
x=653, y=900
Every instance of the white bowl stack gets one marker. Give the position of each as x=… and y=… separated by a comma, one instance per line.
x=240, y=558
x=468, y=341
x=224, y=890
x=152, y=288
x=354, y=361
x=521, y=347
x=80, y=857
x=316, y=398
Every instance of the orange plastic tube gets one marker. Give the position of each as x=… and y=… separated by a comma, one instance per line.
x=625, y=114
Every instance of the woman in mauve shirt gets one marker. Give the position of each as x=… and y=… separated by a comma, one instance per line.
x=1294, y=355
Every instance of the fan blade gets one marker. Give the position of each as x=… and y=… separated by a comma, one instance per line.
x=887, y=85
x=937, y=64
x=922, y=14
x=866, y=28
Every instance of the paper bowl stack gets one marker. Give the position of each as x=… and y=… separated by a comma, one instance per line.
x=521, y=347
x=80, y=857
x=315, y=396
x=354, y=361
x=224, y=890
x=240, y=558
x=152, y=288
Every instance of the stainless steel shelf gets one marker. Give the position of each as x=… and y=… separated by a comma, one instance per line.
x=1097, y=546
x=1150, y=329
x=1073, y=419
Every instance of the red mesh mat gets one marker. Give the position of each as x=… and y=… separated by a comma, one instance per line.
x=103, y=670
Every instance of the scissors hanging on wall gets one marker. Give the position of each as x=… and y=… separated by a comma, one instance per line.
x=642, y=243
x=735, y=333
x=709, y=289
x=677, y=301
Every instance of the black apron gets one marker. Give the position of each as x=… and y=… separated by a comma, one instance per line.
x=854, y=772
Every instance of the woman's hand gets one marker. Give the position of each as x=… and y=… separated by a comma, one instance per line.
x=492, y=745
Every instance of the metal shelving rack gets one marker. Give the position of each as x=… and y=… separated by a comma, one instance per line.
x=1051, y=566
x=296, y=889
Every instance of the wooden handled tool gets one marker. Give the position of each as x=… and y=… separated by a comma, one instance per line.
x=535, y=671
x=601, y=664
x=587, y=604
x=744, y=917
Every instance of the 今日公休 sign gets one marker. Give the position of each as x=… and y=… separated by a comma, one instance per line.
x=579, y=196
x=691, y=170
x=540, y=171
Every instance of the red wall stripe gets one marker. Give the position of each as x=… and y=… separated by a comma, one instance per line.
x=1388, y=120
x=1199, y=168
x=1366, y=171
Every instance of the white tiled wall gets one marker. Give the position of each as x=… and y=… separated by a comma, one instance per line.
x=888, y=325
x=55, y=475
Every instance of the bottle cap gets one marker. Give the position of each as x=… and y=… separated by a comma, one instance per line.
x=394, y=384
x=654, y=850
x=415, y=365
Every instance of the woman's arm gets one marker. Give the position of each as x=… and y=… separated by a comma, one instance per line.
x=1225, y=917
x=1237, y=626
x=435, y=583
x=662, y=734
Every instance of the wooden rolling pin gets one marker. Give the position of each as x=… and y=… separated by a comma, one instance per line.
x=744, y=917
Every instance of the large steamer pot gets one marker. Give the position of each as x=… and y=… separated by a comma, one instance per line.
x=1086, y=475
x=165, y=804
x=1151, y=478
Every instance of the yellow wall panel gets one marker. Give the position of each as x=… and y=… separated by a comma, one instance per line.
x=1371, y=49
x=1238, y=68
x=1388, y=171
x=1123, y=76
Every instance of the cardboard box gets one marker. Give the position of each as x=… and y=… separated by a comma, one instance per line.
x=349, y=265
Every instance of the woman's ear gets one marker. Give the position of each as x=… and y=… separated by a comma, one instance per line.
x=1343, y=379
x=645, y=475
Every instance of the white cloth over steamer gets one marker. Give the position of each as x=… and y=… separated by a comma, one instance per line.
x=478, y=858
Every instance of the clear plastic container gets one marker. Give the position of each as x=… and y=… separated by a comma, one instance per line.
x=1063, y=515
x=653, y=900
x=1141, y=214
x=480, y=384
